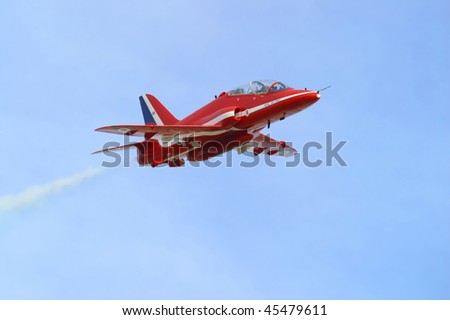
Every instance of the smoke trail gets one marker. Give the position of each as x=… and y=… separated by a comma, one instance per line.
x=35, y=193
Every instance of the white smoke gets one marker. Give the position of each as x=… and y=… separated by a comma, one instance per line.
x=36, y=193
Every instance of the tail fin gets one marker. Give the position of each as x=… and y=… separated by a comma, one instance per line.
x=154, y=112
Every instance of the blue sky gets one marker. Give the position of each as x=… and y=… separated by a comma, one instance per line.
x=377, y=229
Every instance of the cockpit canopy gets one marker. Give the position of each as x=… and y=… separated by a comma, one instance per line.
x=258, y=87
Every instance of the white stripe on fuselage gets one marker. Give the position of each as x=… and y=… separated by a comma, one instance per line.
x=224, y=116
x=249, y=111
x=271, y=103
x=219, y=118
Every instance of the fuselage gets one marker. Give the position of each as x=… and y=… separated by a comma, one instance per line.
x=243, y=115
x=256, y=110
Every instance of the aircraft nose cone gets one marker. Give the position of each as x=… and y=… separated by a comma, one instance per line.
x=311, y=97
x=314, y=95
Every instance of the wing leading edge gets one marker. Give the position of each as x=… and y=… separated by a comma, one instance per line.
x=141, y=130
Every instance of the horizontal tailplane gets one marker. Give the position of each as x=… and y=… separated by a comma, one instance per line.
x=138, y=145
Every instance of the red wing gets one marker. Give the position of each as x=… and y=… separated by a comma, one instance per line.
x=141, y=130
x=265, y=144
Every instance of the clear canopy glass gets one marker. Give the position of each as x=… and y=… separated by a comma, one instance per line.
x=258, y=87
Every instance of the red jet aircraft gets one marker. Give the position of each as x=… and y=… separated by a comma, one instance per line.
x=233, y=120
